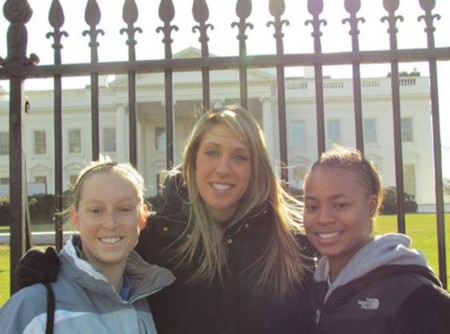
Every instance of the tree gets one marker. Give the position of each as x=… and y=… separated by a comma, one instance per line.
x=389, y=205
x=447, y=186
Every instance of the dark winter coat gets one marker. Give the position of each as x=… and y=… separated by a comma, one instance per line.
x=224, y=307
x=387, y=289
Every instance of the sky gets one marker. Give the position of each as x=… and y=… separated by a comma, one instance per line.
x=223, y=42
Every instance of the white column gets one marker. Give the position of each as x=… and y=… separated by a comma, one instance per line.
x=121, y=133
x=270, y=128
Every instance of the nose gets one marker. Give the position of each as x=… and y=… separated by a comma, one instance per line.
x=224, y=165
x=324, y=216
x=110, y=221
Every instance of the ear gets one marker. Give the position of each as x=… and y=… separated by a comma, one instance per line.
x=144, y=216
x=74, y=218
x=373, y=204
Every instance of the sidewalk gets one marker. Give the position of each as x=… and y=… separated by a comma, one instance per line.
x=38, y=238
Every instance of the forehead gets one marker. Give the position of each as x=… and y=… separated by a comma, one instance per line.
x=105, y=182
x=220, y=133
x=331, y=180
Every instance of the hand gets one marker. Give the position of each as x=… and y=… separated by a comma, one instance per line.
x=37, y=267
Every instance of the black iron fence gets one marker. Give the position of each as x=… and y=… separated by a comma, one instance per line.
x=17, y=66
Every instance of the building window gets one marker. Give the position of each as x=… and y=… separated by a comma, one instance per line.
x=74, y=141
x=370, y=130
x=297, y=133
x=109, y=139
x=40, y=142
x=407, y=130
x=4, y=180
x=40, y=179
x=160, y=140
x=409, y=179
x=333, y=132
x=4, y=143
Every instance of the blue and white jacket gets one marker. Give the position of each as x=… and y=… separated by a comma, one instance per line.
x=85, y=300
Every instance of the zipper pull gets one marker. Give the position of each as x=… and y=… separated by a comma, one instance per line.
x=317, y=319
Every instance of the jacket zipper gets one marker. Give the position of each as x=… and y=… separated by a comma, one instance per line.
x=317, y=318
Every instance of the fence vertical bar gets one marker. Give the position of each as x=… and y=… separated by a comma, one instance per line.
x=391, y=7
x=56, y=19
x=352, y=7
x=167, y=14
x=243, y=11
x=200, y=12
x=277, y=9
x=315, y=7
x=17, y=13
x=92, y=18
x=428, y=6
x=130, y=14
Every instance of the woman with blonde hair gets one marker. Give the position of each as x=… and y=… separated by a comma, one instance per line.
x=231, y=234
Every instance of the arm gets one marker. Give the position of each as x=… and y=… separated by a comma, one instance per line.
x=425, y=311
x=25, y=311
x=37, y=267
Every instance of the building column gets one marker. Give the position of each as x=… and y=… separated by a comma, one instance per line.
x=121, y=133
x=270, y=128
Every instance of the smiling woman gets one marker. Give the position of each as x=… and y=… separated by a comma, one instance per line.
x=380, y=279
x=102, y=282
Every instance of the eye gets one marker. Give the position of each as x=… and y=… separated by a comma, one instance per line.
x=212, y=153
x=342, y=205
x=95, y=211
x=309, y=208
x=240, y=157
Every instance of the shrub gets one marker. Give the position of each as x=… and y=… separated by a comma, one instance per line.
x=389, y=205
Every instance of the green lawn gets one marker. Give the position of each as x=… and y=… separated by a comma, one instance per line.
x=420, y=227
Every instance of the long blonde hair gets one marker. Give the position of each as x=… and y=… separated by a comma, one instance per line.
x=282, y=263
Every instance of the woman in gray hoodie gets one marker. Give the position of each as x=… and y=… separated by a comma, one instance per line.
x=365, y=284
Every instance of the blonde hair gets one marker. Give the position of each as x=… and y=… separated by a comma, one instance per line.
x=282, y=263
x=352, y=160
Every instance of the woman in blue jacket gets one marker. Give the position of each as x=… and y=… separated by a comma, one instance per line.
x=102, y=282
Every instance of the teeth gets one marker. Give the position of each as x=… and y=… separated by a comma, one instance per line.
x=221, y=186
x=110, y=240
x=328, y=235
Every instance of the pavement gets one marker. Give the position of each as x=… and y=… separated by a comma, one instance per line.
x=38, y=238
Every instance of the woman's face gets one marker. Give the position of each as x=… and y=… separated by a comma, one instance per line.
x=108, y=219
x=338, y=214
x=223, y=167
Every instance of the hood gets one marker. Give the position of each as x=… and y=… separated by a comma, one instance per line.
x=146, y=279
x=387, y=249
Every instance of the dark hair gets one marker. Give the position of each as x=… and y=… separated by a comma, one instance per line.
x=352, y=160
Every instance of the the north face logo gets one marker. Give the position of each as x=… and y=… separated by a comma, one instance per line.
x=369, y=304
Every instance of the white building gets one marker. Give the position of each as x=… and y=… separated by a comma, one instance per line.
x=301, y=121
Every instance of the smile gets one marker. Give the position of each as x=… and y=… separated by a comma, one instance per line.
x=221, y=186
x=110, y=240
x=328, y=235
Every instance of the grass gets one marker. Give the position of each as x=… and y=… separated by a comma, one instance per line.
x=420, y=227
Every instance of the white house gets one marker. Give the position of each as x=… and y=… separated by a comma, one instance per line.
x=187, y=97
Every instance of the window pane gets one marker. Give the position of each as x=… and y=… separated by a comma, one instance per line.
x=4, y=143
x=409, y=179
x=74, y=141
x=160, y=140
x=407, y=130
x=333, y=132
x=40, y=179
x=297, y=133
x=109, y=139
x=370, y=130
x=40, y=143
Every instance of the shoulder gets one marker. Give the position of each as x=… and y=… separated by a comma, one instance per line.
x=425, y=310
x=23, y=306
